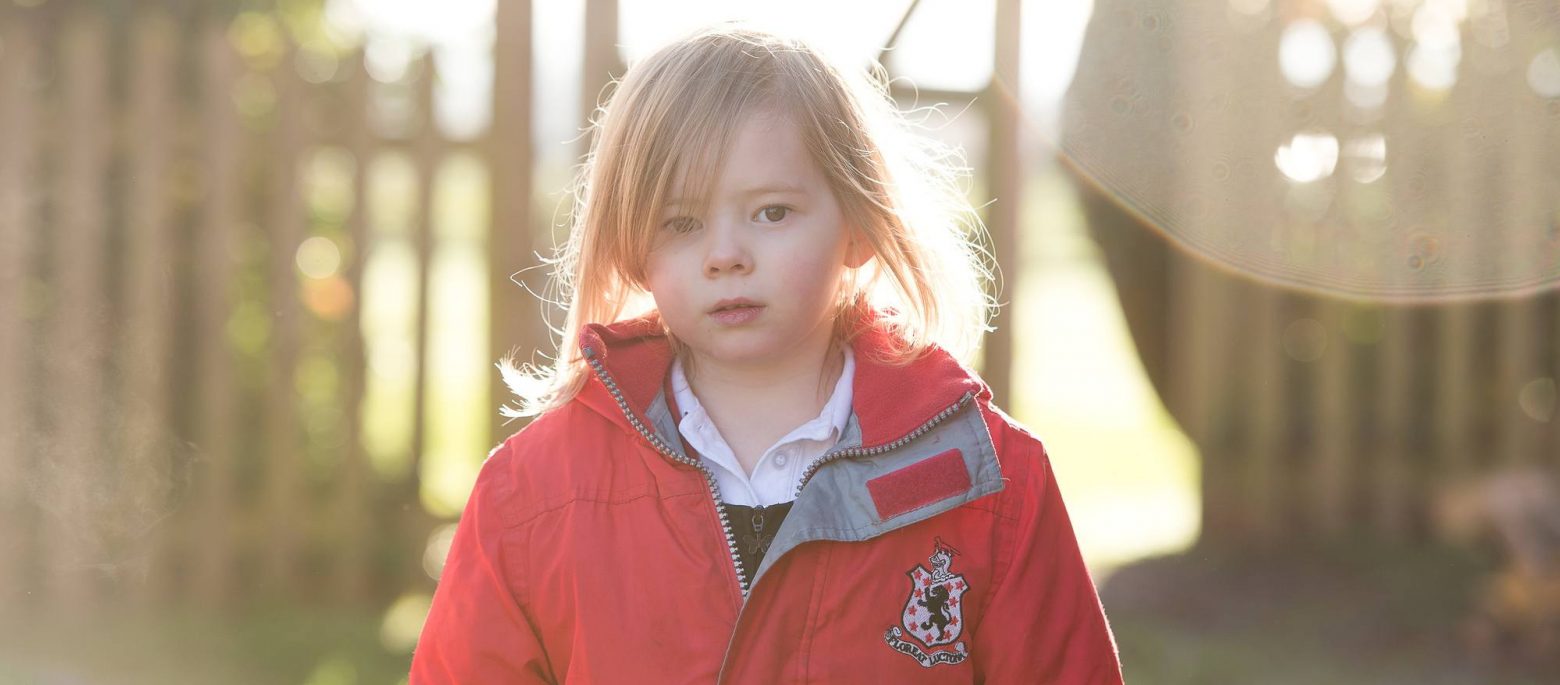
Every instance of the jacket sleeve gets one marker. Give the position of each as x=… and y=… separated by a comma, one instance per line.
x=477, y=629
x=1044, y=622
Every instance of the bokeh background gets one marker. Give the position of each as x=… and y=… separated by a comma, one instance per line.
x=1278, y=284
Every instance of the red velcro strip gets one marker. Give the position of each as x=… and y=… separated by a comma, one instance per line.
x=919, y=484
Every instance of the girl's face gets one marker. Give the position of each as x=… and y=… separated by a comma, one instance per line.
x=773, y=239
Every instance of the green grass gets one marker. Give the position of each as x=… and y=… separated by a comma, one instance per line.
x=1344, y=616
x=280, y=645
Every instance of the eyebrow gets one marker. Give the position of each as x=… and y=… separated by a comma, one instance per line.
x=776, y=189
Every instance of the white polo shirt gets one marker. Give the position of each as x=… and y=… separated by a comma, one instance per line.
x=780, y=469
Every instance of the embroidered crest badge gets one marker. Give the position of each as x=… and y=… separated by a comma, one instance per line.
x=933, y=613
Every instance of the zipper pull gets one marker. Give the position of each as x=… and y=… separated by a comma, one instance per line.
x=758, y=520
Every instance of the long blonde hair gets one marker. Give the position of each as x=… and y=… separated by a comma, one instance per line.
x=677, y=110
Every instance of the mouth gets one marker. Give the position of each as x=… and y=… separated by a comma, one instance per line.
x=733, y=304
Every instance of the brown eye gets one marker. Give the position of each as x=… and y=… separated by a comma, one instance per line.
x=680, y=224
x=774, y=213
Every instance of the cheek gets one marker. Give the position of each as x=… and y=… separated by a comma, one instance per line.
x=658, y=272
x=821, y=274
x=672, y=294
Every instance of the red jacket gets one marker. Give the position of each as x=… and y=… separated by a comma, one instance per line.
x=930, y=545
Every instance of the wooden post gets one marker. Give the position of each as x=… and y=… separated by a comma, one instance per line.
x=425, y=160
x=1334, y=407
x=19, y=233
x=1416, y=175
x=1456, y=454
x=1393, y=461
x=284, y=530
x=143, y=357
x=602, y=63
x=1265, y=390
x=515, y=324
x=1202, y=298
x=1278, y=343
x=73, y=457
x=1525, y=198
x=351, y=507
x=1005, y=174
x=211, y=540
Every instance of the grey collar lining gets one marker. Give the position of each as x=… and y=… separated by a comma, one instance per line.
x=836, y=504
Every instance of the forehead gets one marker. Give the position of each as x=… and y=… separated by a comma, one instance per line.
x=765, y=150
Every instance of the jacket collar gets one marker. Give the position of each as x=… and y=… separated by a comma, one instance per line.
x=920, y=445
x=889, y=401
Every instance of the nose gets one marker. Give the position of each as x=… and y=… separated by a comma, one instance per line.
x=726, y=250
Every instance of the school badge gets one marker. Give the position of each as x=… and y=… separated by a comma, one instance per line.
x=934, y=612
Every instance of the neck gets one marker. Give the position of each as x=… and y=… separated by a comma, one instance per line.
x=805, y=379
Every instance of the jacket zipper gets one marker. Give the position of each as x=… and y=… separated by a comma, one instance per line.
x=666, y=451
x=813, y=469
x=931, y=423
x=709, y=476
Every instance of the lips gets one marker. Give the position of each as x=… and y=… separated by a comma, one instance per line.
x=733, y=303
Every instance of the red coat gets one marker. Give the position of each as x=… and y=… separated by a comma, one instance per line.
x=931, y=545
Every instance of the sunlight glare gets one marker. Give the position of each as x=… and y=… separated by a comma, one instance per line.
x=1353, y=12
x=1368, y=58
x=1308, y=156
x=1543, y=73
x=1306, y=53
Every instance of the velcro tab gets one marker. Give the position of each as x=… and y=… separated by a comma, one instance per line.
x=919, y=484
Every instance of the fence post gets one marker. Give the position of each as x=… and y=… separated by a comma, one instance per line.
x=146, y=450
x=352, y=578
x=283, y=531
x=1005, y=169
x=210, y=544
x=73, y=453
x=514, y=317
x=19, y=229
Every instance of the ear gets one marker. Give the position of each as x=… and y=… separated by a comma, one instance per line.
x=857, y=252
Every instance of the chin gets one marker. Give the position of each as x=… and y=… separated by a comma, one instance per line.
x=741, y=352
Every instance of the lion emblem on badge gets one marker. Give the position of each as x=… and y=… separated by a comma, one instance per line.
x=934, y=612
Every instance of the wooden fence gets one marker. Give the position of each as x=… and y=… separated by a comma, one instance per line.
x=156, y=325
x=1328, y=413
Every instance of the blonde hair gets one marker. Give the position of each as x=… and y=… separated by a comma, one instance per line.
x=677, y=110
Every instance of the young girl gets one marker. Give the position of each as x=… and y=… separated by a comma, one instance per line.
x=758, y=457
